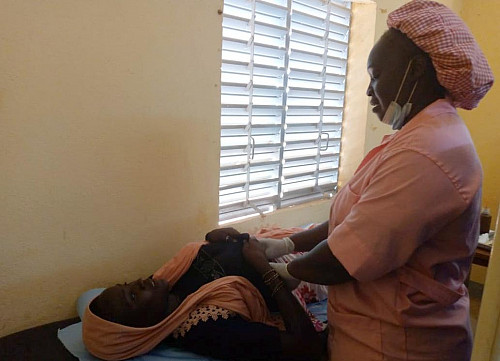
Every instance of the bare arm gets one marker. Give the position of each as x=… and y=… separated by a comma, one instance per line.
x=319, y=266
x=300, y=340
x=307, y=240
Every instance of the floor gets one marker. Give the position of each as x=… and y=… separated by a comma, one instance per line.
x=475, y=293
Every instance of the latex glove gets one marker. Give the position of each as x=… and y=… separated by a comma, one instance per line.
x=277, y=247
x=290, y=281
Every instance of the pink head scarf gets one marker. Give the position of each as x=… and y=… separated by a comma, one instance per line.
x=460, y=65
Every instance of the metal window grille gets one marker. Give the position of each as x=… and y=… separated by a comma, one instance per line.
x=282, y=97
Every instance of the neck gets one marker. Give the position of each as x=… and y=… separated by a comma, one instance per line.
x=173, y=302
x=424, y=95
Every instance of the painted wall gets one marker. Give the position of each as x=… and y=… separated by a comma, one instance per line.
x=109, y=138
x=484, y=121
x=109, y=142
x=102, y=176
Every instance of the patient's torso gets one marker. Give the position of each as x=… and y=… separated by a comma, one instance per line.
x=216, y=260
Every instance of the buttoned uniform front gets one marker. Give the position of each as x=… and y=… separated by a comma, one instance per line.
x=405, y=227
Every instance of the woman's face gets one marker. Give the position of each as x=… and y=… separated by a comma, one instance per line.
x=142, y=303
x=386, y=66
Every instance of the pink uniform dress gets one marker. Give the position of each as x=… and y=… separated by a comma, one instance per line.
x=405, y=227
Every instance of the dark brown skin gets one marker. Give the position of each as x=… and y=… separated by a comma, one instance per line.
x=223, y=235
x=300, y=340
x=141, y=303
x=387, y=72
x=319, y=265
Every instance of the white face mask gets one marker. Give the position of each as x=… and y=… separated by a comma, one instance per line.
x=395, y=115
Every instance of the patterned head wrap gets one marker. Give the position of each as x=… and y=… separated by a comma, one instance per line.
x=461, y=66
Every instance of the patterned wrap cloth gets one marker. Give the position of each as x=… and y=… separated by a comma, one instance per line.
x=461, y=66
x=223, y=297
x=112, y=341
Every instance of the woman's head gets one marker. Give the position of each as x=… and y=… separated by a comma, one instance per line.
x=401, y=72
x=141, y=303
x=460, y=65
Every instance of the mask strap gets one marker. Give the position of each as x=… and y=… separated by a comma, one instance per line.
x=412, y=91
x=403, y=81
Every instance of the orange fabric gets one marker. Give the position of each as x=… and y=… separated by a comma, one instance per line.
x=112, y=341
x=177, y=266
x=276, y=232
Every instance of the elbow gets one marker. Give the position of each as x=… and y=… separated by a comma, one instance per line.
x=326, y=274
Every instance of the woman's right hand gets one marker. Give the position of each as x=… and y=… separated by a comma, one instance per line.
x=275, y=248
x=254, y=255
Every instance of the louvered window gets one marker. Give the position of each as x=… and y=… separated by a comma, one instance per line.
x=282, y=97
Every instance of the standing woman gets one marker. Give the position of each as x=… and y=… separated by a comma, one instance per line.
x=399, y=242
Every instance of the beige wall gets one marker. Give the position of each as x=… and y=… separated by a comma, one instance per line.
x=482, y=17
x=109, y=144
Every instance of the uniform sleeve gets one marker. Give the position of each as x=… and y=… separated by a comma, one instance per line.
x=407, y=200
x=233, y=339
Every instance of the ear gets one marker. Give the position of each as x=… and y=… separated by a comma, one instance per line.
x=418, y=67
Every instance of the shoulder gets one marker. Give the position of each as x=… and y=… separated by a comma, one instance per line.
x=443, y=140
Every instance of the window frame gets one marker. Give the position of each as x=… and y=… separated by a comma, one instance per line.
x=286, y=131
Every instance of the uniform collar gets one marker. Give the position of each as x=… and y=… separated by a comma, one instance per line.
x=434, y=109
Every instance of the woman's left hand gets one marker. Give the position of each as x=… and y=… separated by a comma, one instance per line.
x=254, y=254
x=222, y=235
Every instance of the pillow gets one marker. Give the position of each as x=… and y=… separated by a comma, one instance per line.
x=85, y=299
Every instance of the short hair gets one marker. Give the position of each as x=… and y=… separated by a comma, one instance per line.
x=408, y=47
x=410, y=50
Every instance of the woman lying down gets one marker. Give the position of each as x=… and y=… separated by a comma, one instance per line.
x=213, y=299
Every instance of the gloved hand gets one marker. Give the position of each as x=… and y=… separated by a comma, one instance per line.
x=277, y=247
x=290, y=282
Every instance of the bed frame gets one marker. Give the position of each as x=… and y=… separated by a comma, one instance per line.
x=37, y=344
